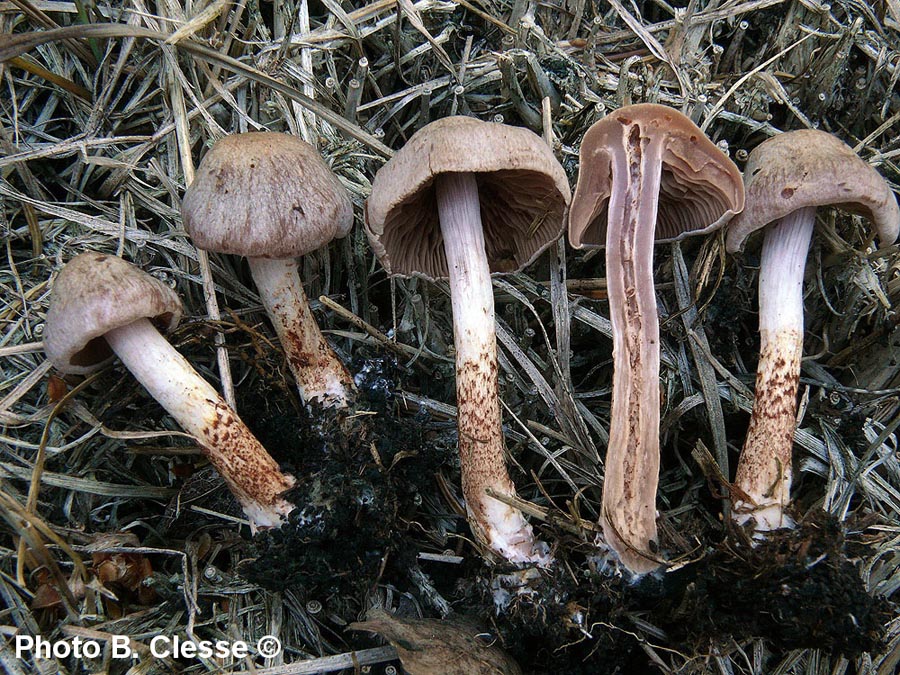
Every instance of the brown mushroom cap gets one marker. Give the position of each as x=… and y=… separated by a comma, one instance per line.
x=522, y=188
x=93, y=294
x=805, y=168
x=700, y=187
x=265, y=195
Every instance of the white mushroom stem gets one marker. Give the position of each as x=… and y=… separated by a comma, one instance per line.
x=320, y=374
x=763, y=478
x=250, y=472
x=632, y=457
x=481, y=443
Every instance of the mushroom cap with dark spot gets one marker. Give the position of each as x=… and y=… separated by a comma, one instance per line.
x=95, y=293
x=522, y=188
x=700, y=187
x=798, y=169
x=265, y=195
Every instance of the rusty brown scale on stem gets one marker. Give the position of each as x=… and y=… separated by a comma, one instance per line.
x=236, y=454
x=774, y=417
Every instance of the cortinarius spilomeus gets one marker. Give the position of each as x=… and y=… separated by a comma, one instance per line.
x=787, y=177
x=271, y=197
x=647, y=174
x=101, y=306
x=462, y=199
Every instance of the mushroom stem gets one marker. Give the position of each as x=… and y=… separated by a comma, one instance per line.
x=763, y=479
x=481, y=443
x=250, y=472
x=320, y=374
x=632, y=457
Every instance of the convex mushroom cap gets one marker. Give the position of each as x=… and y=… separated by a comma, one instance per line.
x=94, y=294
x=265, y=195
x=810, y=168
x=522, y=187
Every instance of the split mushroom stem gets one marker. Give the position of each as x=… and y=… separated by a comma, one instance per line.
x=481, y=443
x=764, y=472
x=250, y=472
x=648, y=174
x=320, y=375
x=632, y=461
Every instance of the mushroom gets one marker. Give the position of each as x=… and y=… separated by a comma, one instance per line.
x=461, y=200
x=787, y=177
x=647, y=173
x=271, y=198
x=101, y=306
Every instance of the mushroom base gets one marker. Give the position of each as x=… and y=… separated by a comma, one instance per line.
x=250, y=472
x=481, y=444
x=763, y=480
x=319, y=373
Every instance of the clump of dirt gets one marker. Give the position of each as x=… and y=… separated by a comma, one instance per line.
x=797, y=589
x=359, y=476
x=571, y=618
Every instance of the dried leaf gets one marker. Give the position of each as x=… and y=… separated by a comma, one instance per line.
x=46, y=595
x=435, y=647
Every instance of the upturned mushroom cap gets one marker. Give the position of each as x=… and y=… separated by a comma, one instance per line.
x=265, y=195
x=523, y=192
x=93, y=294
x=700, y=188
x=804, y=168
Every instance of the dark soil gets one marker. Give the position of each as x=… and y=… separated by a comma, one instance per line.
x=360, y=479
x=797, y=589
